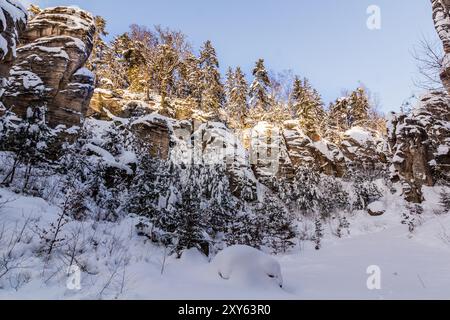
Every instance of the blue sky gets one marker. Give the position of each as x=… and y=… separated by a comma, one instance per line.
x=325, y=40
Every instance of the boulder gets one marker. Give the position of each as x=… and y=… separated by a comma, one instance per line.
x=49, y=69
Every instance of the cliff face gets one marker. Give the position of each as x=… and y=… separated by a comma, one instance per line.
x=13, y=18
x=420, y=141
x=441, y=18
x=421, y=145
x=48, y=71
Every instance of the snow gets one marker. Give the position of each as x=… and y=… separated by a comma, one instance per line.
x=413, y=266
x=377, y=206
x=18, y=14
x=3, y=46
x=246, y=265
x=360, y=135
x=85, y=72
x=443, y=150
x=29, y=79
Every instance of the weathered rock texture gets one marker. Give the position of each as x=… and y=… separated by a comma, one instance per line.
x=421, y=145
x=49, y=68
x=441, y=18
x=13, y=19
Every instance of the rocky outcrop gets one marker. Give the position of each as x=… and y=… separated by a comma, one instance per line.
x=49, y=69
x=13, y=17
x=320, y=155
x=186, y=142
x=441, y=18
x=421, y=145
x=365, y=148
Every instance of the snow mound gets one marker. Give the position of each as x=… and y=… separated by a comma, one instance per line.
x=246, y=265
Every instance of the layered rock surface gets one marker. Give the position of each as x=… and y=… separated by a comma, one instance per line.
x=441, y=18
x=49, y=69
x=421, y=145
x=13, y=17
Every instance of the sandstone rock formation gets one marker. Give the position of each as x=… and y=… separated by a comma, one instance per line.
x=441, y=18
x=13, y=19
x=420, y=143
x=49, y=72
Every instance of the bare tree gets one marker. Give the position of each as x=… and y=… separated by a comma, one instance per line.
x=429, y=57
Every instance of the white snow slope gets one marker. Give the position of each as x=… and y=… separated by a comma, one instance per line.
x=122, y=265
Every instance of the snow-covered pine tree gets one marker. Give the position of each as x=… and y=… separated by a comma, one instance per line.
x=305, y=190
x=359, y=107
x=277, y=225
x=445, y=200
x=334, y=198
x=213, y=95
x=190, y=85
x=364, y=190
x=191, y=224
x=308, y=107
x=237, y=97
x=114, y=71
x=96, y=61
x=412, y=215
x=150, y=184
x=259, y=89
x=343, y=227
x=338, y=120
x=318, y=233
x=28, y=140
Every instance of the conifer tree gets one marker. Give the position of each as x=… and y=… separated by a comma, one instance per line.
x=277, y=225
x=259, y=89
x=213, y=95
x=445, y=200
x=97, y=59
x=359, y=107
x=237, y=96
x=318, y=234
x=308, y=107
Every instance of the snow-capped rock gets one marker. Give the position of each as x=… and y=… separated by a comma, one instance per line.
x=13, y=18
x=420, y=144
x=441, y=17
x=57, y=44
x=365, y=147
x=246, y=265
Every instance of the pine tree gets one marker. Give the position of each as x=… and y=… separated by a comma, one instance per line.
x=114, y=72
x=191, y=225
x=318, y=234
x=333, y=197
x=213, y=95
x=308, y=107
x=365, y=191
x=237, y=97
x=343, y=226
x=259, y=92
x=97, y=58
x=29, y=140
x=306, y=193
x=190, y=79
x=412, y=215
x=359, y=107
x=445, y=200
x=277, y=225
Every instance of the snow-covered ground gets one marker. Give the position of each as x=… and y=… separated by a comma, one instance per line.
x=120, y=264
